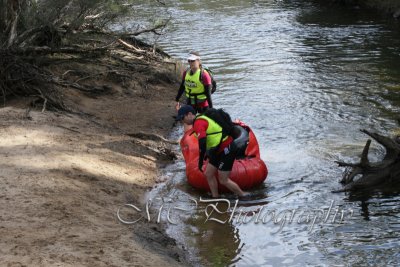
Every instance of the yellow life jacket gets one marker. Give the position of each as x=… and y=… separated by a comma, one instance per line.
x=194, y=88
x=214, y=133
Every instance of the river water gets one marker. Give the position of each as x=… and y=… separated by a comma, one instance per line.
x=306, y=78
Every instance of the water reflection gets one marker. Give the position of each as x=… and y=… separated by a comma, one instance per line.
x=218, y=242
x=201, y=224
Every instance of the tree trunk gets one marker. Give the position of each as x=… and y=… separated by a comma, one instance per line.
x=11, y=17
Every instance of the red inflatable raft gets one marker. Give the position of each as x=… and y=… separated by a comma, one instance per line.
x=247, y=171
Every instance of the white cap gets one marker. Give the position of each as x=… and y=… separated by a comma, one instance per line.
x=193, y=57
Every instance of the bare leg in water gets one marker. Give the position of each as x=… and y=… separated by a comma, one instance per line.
x=223, y=179
x=231, y=185
x=211, y=179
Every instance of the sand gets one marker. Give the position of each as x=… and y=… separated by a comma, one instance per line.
x=64, y=175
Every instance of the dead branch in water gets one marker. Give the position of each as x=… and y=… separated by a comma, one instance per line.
x=370, y=175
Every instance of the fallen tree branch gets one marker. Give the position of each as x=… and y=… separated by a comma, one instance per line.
x=83, y=88
x=372, y=174
x=27, y=34
x=131, y=47
x=96, y=74
x=49, y=50
x=44, y=100
x=153, y=30
x=69, y=129
x=151, y=136
x=19, y=77
x=129, y=63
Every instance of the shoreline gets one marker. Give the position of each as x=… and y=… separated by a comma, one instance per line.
x=65, y=174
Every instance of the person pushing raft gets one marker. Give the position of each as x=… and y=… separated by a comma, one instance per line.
x=219, y=146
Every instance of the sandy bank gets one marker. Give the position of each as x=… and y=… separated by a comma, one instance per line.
x=64, y=175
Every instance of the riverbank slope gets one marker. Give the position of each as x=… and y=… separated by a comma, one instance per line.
x=64, y=175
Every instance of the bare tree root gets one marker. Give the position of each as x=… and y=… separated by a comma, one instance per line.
x=151, y=136
x=21, y=78
x=22, y=72
x=367, y=175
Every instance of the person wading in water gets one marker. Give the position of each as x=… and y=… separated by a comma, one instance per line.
x=218, y=148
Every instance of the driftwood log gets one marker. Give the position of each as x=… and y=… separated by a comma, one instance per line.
x=368, y=175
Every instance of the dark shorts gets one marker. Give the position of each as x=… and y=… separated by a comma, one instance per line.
x=199, y=107
x=224, y=160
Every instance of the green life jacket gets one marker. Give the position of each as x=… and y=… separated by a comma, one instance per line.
x=214, y=133
x=194, y=88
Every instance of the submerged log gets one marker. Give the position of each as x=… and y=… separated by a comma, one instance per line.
x=367, y=175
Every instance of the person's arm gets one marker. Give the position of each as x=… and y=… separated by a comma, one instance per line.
x=202, y=152
x=180, y=91
x=206, y=80
x=207, y=90
x=200, y=127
